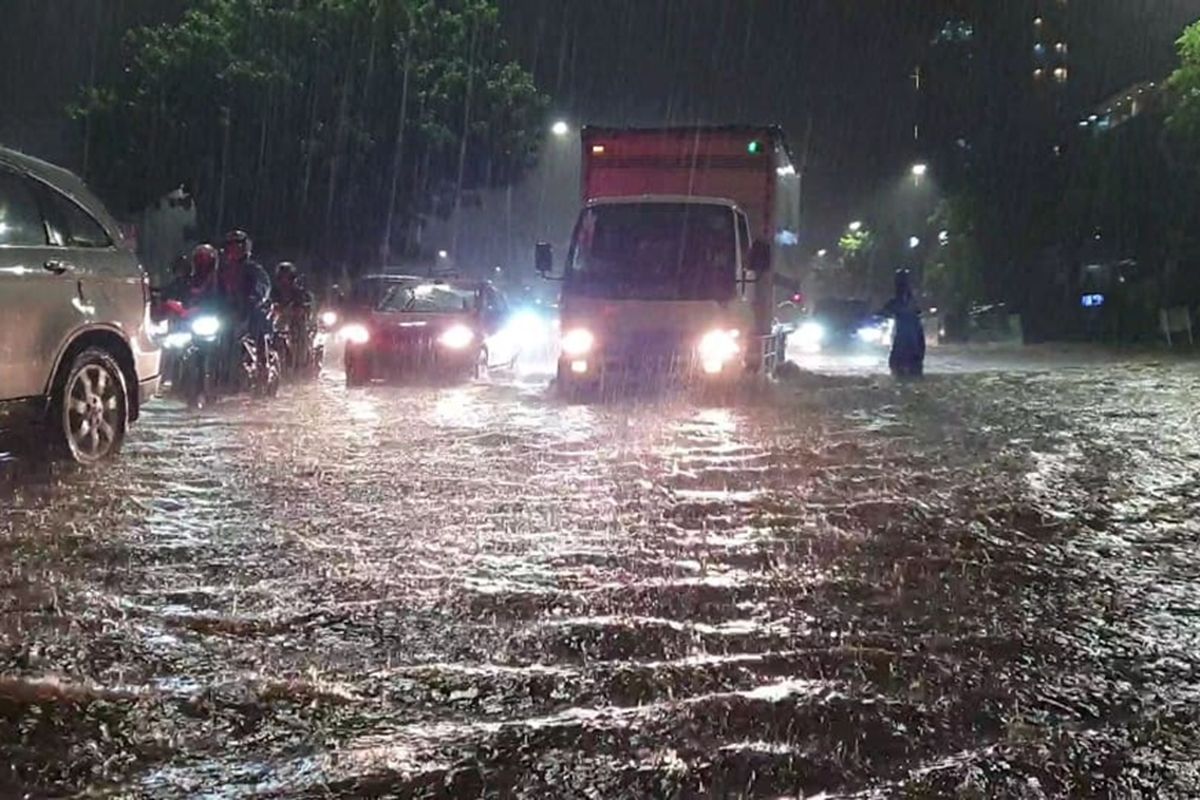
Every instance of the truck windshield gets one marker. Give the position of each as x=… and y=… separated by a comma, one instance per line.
x=668, y=251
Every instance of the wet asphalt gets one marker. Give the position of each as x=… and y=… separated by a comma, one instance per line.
x=980, y=585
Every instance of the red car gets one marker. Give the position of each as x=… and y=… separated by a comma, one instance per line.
x=419, y=326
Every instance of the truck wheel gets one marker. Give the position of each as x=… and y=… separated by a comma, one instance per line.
x=91, y=409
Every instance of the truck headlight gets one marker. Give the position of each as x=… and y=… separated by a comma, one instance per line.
x=354, y=334
x=578, y=342
x=456, y=337
x=717, y=348
x=206, y=327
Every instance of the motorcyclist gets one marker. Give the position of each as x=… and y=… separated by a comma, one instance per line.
x=907, y=359
x=181, y=280
x=245, y=288
x=295, y=304
x=290, y=291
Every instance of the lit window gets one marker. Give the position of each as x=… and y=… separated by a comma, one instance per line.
x=1061, y=48
x=1060, y=74
x=1037, y=21
x=1037, y=73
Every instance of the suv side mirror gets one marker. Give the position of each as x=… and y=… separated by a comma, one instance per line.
x=543, y=258
x=760, y=258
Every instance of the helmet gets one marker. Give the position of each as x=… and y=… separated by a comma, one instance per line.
x=285, y=271
x=204, y=260
x=238, y=245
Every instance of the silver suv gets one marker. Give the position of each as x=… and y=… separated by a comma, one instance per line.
x=75, y=346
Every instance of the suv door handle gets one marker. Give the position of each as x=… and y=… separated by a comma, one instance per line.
x=56, y=266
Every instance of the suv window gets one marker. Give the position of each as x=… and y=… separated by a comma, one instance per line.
x=69, y=225
x=20, y=221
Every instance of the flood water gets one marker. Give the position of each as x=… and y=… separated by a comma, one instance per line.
x=980, y=585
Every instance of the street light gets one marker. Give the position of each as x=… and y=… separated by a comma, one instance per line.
x=913, y=242
x=855, y=226
x=822, y=253
x=443, y=254
x=919, y=170
x=560, y=128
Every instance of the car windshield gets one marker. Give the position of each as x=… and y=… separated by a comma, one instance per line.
x=683, y=251
x=428, y=298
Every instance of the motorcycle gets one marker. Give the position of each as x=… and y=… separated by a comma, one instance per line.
x=191, y=346
x=195, y=343
x=300, y=340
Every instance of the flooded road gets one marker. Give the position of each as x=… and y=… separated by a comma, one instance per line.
x=980, y=585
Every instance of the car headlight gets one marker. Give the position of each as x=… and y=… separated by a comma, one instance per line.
x=206, y=327
x=578, y=342
x=871, y=334
x=355, y=334
x=528, y=327
x=329, y=318
x=177, y=340
x=810, y=334
x=456, y=337
x=719, y=346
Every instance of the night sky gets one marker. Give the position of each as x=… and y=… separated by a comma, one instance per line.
x=842, y=66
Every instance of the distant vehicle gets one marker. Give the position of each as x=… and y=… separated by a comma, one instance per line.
x=842, y=324
x=442, y=328
x=76, y=351
x=670, y=269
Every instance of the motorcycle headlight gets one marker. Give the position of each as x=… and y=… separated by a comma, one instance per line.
x=456, y=337
x=177, y=340
x=355, y=334
x=578, y=342
x=329, y=318
x=810, y=334
x=206, y=327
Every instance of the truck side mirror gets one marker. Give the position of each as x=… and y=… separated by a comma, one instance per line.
x=760, y=258
x=543, y=258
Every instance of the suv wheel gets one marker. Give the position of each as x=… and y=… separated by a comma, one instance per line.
x=92, y=407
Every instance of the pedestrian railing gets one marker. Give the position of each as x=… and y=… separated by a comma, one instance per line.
x=1177, y=321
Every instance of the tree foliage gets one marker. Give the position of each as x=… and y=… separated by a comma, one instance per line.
x=954, y=271
x=305, y=121
x=1184, y=84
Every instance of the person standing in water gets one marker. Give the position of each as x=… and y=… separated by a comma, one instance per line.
x=907, y=359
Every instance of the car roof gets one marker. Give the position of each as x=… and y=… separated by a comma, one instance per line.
x=389, y=277
x=64, y=181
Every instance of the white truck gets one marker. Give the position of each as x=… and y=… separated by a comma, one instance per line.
x=670, y=271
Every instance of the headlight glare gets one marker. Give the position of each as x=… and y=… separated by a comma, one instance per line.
x=354, y=334
x=206, y=327
x=810, y=334
x=578, y=342
x=456, y=337
x=719, y=346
